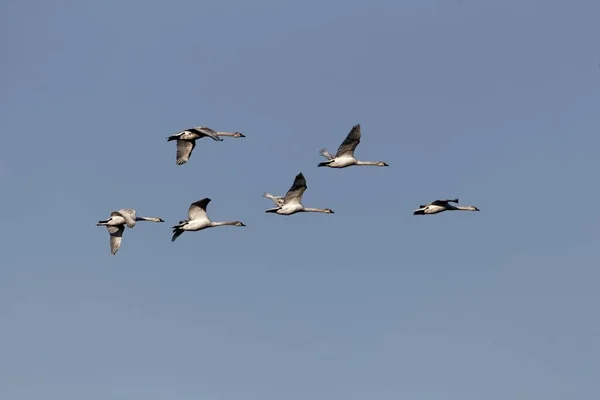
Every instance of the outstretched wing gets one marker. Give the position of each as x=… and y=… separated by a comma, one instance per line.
x=294, y=195
x=204, y=131
x=184, y=150
x=444, y=202
x=326, y=154
x=116, y=234
x=349, y=144
x=197, y=209
x=278, y=200
x=128, y=215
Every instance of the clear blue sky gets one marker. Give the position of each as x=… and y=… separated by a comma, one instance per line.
x=494, y=102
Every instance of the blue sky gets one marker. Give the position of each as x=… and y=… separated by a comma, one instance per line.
x=494, y=102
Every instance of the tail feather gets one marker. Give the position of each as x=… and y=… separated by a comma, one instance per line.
x=102, y=223
x=173, y=137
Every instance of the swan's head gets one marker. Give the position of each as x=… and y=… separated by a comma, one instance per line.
x=473, y=208
x=382, y=164
x=239, y=223
x=329, y=211
x=238, y=134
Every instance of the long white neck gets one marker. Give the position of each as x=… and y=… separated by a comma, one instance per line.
x=321, y=210
x=151, y=219
x=230, y=134
x=373, y=163
x=222, y=223
x=466, y=208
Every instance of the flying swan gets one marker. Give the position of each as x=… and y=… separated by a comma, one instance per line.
x=186, y=140
x=438, y=206
x=116, y=225
x=198, y=220
x=345, y=154
x=292, y=202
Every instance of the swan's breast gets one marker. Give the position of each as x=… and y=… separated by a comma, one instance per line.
x=289, y=209
x=196, y=225
x=342, y=162
x=434, y=209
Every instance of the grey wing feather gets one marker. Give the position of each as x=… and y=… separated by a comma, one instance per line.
x=129, y=215
x=184, y=150
x=197, y=209
x=444, y=202
x=116, y=234
x=296, y=191
x=326, y=154
x=203, y=130
x=349, y=144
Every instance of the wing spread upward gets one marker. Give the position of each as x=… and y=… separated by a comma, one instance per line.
x=197, y=209
x=184, y=150
x=294, y=195
x=129, y=215
x=204, y=131
x=349, y=144
x=116, y=234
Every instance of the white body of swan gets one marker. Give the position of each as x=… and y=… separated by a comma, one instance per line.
x=438, y=206
x=345, y=154
x=292, y=202
x=198, y=220
x=117, y=222
x=186, y=140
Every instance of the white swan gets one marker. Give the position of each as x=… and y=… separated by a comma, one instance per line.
x=345, y=154
x=439, y=206
x=116, y=225
x=198, y=220
x=292, y=202
x=186, y=140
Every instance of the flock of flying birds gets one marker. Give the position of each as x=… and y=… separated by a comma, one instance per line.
x=289, y=204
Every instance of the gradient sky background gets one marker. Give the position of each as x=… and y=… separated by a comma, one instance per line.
x=494, y=102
